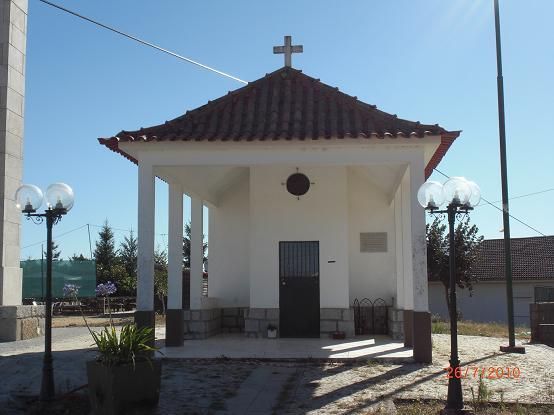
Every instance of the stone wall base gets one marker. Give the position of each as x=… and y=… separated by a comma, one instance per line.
x=408, y=324
x=542, y=320
x=423, y=346
x=256, y=321
x=396, y=323
x=20, y=322
x=200, y=324
x=333, y=320
x=253, y=322
x=232, y=319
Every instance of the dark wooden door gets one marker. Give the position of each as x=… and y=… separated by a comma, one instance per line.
x=299, y=289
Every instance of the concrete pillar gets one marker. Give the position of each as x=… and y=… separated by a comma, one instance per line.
x=175, y=323
x=196, y=253
x=144, y=315
x=396, y=323
x=399, y=245
x=13, y=15
x=17, y=322
x=407, y=270
x=421, y=317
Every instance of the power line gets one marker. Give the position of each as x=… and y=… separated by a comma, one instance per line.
x=144, y=42
x=122, y=229
x=528, y=194
x=497, y=208
x=56, y=237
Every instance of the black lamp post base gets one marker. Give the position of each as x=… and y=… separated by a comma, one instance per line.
x=513, y=349
x=464, y=411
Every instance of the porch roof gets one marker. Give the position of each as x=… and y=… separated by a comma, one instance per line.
x=285, y=105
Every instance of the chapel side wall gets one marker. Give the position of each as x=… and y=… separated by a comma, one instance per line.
x=228, y=271
x=276, y=215
x=488, y=301
x=372, y=275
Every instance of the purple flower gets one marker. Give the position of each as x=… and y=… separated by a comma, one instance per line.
x=70, y=290
x=108, y=288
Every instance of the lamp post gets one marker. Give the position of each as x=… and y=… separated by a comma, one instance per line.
x=460, y=196
x=59, y=200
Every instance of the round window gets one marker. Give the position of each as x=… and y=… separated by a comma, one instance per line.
x=298, y=184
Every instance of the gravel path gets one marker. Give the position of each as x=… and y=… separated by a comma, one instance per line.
x=344, y=388
x=209, y=386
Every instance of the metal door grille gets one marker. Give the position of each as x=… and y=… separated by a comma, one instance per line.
x=299, y=259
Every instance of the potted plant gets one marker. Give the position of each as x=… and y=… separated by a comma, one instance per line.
x=124, y=375
x=271, y=331
x=338, y=335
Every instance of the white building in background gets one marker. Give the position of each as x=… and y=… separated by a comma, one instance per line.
x=312, y=203
x=533, y=281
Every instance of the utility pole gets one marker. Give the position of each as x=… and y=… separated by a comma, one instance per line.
x=511, y=348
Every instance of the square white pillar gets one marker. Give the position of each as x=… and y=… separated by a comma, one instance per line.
x=399, y=249
x=175, y=248
x=419, y=240
x=145, y=260
x=196, y=252
x=406, y=225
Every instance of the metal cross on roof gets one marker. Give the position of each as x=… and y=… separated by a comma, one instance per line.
x=288, y=49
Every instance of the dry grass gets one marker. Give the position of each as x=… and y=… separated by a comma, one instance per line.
x=97, y=321
x=434, y=407
x=472, y=328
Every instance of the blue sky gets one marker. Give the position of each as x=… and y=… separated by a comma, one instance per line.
x=427, y=60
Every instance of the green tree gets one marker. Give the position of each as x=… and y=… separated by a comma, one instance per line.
x=127, y=265
x=55, y=252
x=186, y=247
x=77, y=258
x=467, y=244
x=160, y=276
x=105, y=254
x=128, y=254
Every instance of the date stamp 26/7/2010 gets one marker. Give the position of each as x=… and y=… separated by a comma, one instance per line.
x=485, y=372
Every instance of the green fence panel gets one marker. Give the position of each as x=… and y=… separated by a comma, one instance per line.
x=81, y=273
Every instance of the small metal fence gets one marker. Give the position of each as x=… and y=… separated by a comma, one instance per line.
x=371, y=317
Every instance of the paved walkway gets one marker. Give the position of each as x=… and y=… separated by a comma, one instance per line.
x=237, y=346
x=230, y=386
x=260, y=392
x=234, y=346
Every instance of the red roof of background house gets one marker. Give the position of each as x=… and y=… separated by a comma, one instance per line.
x=532, y=259
x=285, y=105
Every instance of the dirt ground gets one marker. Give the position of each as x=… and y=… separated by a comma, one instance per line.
x=96, y=321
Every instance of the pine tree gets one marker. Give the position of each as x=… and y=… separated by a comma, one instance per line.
x=78, y=258
x=128, y=254
x=55, y=252
x=160, y=276
x=105, y=254
x=186, y=247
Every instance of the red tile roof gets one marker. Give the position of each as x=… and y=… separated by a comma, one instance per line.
x=532, y=259
x=285, y=105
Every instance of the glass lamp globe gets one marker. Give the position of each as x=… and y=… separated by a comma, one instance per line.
x=28, y=198
x=456, y=191
x=59, y=196
x=475, y=197
x=430, y=195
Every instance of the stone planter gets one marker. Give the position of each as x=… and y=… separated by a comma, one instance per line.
x=119, y=389
x=271, y=333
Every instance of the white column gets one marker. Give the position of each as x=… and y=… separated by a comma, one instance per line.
x=196, y=253
x=399, y=237
x=419, y=244
x=13, y=33
x=145, y=262
x=175, y=248
x=407, y=241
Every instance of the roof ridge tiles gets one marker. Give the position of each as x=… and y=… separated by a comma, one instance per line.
x=286, y=104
